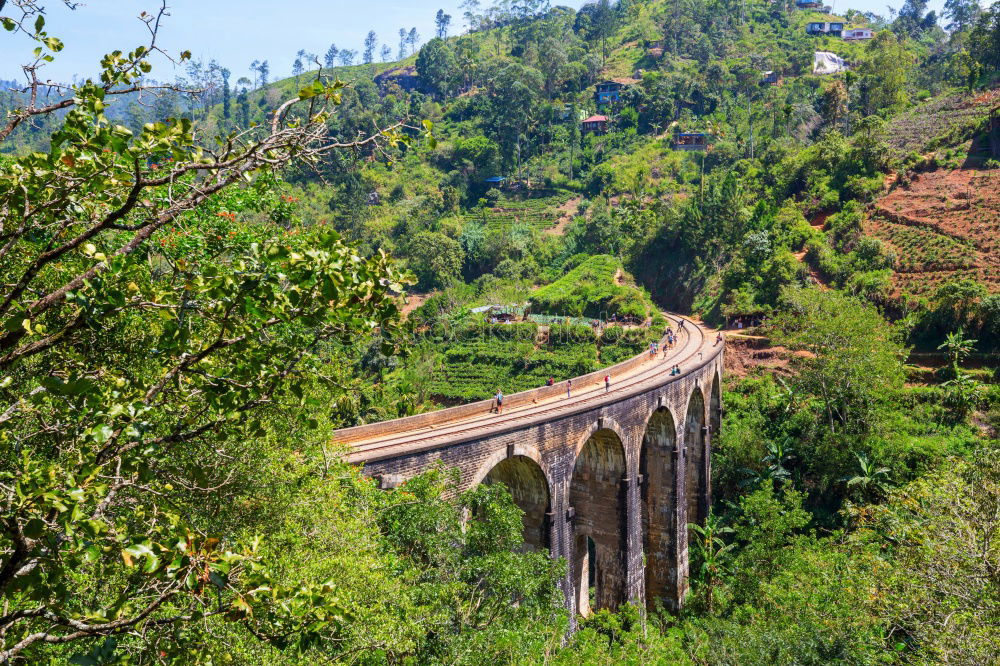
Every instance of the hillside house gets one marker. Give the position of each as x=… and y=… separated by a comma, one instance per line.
x=857, y=34
x=770, y=78
x=808, y=4
x=609, y=92
x=690, y=141
x=595, y=124
x=824, y=28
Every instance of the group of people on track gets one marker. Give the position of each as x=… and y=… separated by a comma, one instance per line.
x=654, y=347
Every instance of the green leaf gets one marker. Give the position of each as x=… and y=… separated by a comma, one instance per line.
x=34, y=528
x=218, y=580
x=91, y=554
x=8, y=24
x=101, y=433
x=139, y=550
x=152, y=563
x=39, y=24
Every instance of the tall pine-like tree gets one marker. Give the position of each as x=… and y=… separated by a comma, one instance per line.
x=226, y=94
x=347, y=57
x=441, y=23
x=331, y=55
x=371, y=41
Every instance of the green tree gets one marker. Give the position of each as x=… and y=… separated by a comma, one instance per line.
x=711, y=554
x=226, y=94
x=412, y=37
x=945, y=538
x=435, y=259
x=854, y=358
x=136, y=362
x=871, y=481
x=958, y=347
x=984, y=39
x=884, y=71
x=482, y=153
x=436, y=67
x=331, y=56
x=371, y=41
x=961, y=13
x=441, y=23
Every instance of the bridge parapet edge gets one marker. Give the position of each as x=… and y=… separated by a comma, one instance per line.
x=531, y=396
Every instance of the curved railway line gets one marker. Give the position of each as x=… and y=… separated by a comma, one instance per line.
x=413, y=434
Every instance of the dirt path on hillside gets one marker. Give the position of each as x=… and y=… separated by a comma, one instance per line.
x=414, y=301
x=569, y=210
x=819, y=221
x=813, y=273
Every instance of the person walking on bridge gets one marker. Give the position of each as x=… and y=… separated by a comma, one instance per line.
x=569, y=387
x=607, y=383
x=499, y=398
x=718, y=339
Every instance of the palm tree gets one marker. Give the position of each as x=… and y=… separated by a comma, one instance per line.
x=958, y=348
x=872, y=481
x=775, y=464
x=711, y=552
x=776, y=459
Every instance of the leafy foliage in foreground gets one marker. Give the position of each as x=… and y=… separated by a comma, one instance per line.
x=146, y=334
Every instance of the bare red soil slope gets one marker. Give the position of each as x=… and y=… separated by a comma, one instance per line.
x=944, y=225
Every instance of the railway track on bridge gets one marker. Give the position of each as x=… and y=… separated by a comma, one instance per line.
x=365, y=446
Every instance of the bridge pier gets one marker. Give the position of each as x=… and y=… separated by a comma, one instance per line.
x=635, y=571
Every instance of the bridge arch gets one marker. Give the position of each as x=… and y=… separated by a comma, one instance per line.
x=659, y=493
x=696, y=457
x=530, y=489
x=715, y=405
x=597, y=499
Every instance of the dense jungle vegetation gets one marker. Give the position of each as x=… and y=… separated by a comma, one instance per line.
x=187, y=321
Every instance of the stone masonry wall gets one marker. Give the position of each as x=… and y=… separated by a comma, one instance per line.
x=592, y=459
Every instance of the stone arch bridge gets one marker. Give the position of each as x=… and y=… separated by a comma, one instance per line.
x=608, y=478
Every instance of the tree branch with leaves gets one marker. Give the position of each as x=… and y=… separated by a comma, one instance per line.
x=132, y=368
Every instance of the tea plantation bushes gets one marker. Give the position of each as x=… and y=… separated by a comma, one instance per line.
x=480, y=359
x=596, y=288
x=509, y=357
x=620, y=344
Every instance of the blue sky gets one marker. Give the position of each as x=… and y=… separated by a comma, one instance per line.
x=236, y=32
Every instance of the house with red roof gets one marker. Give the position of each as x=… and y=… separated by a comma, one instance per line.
x=597, y=124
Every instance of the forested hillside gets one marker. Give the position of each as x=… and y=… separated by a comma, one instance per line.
x=203, y=279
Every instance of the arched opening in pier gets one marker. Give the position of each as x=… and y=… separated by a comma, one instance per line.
x=530, y=490
x=598, y=504
x=657, y=464
x=695, y=459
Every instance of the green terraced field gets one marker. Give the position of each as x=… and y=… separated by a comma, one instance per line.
x=537, y=212
x=515, y=358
